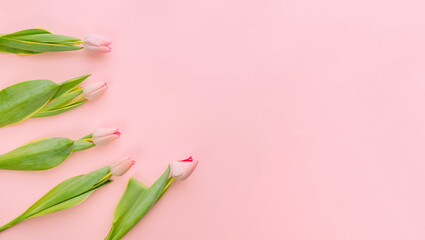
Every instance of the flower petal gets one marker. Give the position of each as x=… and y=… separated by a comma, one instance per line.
x=182, y=169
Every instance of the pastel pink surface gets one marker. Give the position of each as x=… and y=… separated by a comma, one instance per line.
x=307, y=117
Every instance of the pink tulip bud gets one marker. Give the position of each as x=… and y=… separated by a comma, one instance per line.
x=103, y=136
x=94, y=90
x=182, y=169
x=119, y=168
x=95, y=43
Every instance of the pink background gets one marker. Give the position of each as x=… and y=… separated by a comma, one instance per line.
x=307, y=117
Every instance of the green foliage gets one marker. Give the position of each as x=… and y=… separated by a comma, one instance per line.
x=82, y=145
x=38, y=155
x=59, y=110
x=67, y=194
x=39, y=98
x=134, y=204
x=35, y=41
x=43, y=154
x=22, y=100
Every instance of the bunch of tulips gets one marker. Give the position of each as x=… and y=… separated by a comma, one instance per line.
x=43, y=98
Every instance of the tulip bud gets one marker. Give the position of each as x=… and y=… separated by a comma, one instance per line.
x=182, y=169
x=120, y=168
x=94, y=90
x=95, y=43
x=103, y=136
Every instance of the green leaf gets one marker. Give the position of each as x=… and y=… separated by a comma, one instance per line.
x=59, y=111
x=62, y=100
x=134, y=204
x=69, y=85
x=167, y=186
x=65, y=195
x=38, y=155
x=16, y=51
x=48, y=38
x=36, y=46
x=35, y=41
x=20, y=101
x=65, y=204
x=27, y=32
x=66, y=190
x=71, y=202
x=87, y=137
x=80, y=145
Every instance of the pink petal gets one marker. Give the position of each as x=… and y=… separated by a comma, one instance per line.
x=97, y=49
x=94, y=39
x=94, y=90
x=120, y=168
x=104, y=136
x=182, y=169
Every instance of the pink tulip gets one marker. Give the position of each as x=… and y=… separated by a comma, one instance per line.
x=94, y=90
x=182, y=169
x=95, y=43
x=103, y=136
x=118, y=169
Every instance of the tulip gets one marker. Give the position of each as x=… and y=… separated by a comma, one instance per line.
x=182, y=169
x=104, y=136
x=120, y=168
x=138, y=198
x=67, y=194
x=39, y=98
x=95, y=43
x=94, y=90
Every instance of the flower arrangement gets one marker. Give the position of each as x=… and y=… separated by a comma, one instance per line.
x=43, y=98
x=138, y=199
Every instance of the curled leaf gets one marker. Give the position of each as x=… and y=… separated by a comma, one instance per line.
x=134, y=204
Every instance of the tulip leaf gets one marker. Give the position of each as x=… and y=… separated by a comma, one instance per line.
x=65, y=195
x=16, y=50
x=167, y=186
x=64, y=205
x=69, y=85
x=62, y=100
x=68, y=189
x=82, y=145
x=22, y=100
x=58, y=111
x=48, y=38
x=87, y=137
x=36, y=46
x=38, y=155
x=70, y=202
x=134, y=204
x=34, y=41
x=27, y=32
